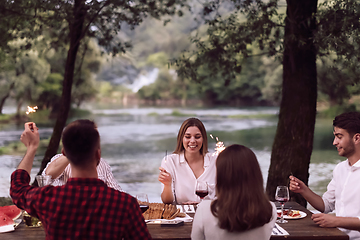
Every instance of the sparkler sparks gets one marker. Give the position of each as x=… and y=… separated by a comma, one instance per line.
x=219, y=145
x=31, y=109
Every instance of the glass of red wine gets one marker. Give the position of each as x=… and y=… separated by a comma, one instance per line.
x=282, y=196
x=143, y=201
x=201, y=189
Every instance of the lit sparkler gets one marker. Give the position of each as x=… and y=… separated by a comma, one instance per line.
x=31, y=109
x=219, y=145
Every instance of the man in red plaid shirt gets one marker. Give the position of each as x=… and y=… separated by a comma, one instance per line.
x=84, y=208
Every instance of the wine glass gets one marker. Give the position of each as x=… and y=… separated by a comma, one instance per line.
x=143, y=201
x=282, y=196
x=43, y=180
x=201, y=189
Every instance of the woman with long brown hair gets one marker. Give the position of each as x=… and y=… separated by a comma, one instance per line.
x=189, y=163
x=242, y=210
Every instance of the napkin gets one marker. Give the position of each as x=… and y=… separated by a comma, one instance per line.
x=186, y=208
x=279, y=231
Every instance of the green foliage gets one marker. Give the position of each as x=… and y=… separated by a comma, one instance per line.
x=333, y=111
x=177, y=113
x=5, y=201
x=30, y=71
x=158, y=60
x=18, y=148
x=273, y=84
x=79, y=113
x=338, y=42
x=339, y=29
x=4, y=118
x=160, y=89
x=16, y=18
x=105, y=88
x=108, y=93
x=229, y=38
x=51, y=91
x=251, y=29
x=41, y=116
x=222, y=61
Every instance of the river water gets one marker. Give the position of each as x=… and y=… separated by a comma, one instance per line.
x=135, y=140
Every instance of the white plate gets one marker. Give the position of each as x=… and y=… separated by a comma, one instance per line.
x=187, y=218
x=302, y=215
x=7, y=228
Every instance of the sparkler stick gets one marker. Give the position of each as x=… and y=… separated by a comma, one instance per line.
x=164, y=161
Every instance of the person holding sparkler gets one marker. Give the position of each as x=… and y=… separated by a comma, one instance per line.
x=60, y=171
x=190, y=163
x=85, y=207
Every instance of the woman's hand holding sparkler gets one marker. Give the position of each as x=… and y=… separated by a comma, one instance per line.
x=164, y=177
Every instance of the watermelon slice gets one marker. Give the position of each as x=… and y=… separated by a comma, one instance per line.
x=11, y=211
x=6, y=223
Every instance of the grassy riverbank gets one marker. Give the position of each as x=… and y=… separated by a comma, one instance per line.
x=5, y=201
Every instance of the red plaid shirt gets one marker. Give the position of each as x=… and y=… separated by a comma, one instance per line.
x=84, y=208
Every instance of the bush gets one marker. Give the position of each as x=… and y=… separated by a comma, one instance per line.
x=333, y=111
x=5, y=201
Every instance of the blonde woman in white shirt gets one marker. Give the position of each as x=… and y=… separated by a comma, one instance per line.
x=189, y=163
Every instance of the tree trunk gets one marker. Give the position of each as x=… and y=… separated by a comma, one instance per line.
x=3, y=99
x=18, y=106
x=293, y=141
x=76, y=23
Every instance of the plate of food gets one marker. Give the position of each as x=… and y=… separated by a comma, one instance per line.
x=291, y=214
x=160, y=213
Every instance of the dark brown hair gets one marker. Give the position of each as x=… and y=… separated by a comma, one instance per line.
x=191, y=122
x=80, y=141
x=241, y=202
x=350, y=121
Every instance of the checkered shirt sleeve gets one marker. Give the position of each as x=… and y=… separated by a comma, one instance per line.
x=84, y=208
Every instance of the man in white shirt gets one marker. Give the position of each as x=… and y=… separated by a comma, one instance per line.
x=343, y=192
x=60, y=171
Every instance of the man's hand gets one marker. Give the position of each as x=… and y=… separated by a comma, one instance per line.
x=30, y=136
x=325, y=220
x=296, y=185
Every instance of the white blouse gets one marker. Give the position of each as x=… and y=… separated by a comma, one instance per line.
x=205, y=226
x=184, y=180
x=103, y=170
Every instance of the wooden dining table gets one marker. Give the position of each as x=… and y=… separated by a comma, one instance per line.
x=298, y=229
